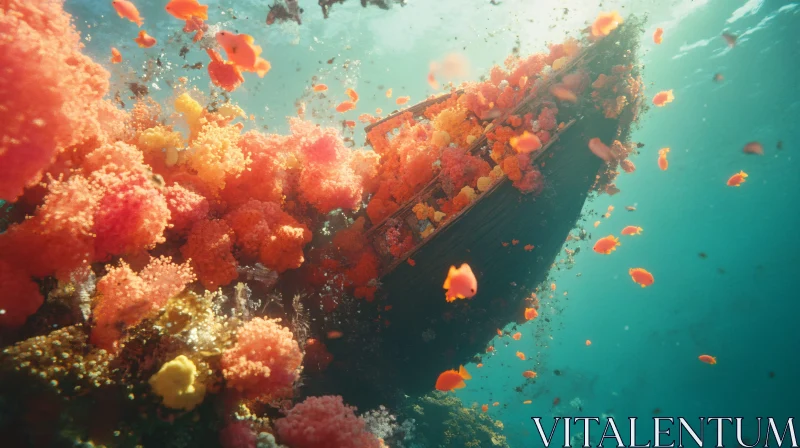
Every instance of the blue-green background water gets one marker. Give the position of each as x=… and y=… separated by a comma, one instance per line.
x=738, y=304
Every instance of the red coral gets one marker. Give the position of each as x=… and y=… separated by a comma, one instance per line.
x=126, y=298
x=462, y=169
x=547, y=118
x=20, y=297
x=209, y=246
x=324, y=422
x=364, y=274
x=264, y=363
x=531, y=182
x=268, y=178
x=185, y=207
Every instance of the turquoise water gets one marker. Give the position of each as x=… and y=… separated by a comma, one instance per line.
x=738, y=303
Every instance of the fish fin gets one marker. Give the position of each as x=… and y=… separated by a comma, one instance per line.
x=450, y=274
x=203, y=12
x=248, y=38
x=460, y=385
x=262, y=67
x=461, y=296
x=463, y=373
x=449, y=298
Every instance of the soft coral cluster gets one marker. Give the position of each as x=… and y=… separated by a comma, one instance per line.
x=324, y=422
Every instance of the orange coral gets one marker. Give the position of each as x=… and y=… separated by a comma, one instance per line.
x=209, y=247
x=20, y=297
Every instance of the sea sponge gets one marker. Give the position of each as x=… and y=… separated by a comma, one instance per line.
x=324, y=422
x=176, y=383
x=185, y=207
x=209, y=246
x=264, y=363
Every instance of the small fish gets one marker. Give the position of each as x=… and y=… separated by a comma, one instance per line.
x=730, y=39
x=388, y=94
x=702, y=255
x=531, y=313
x=460, y=283
x=662, y=98
x=525, y=143
x=485, y=408
x=663, y=164
x=605, y=23
x=432, y=81
x=754, y=148
x=350, y=123
x=411, y=262
x=514, y=242
x=528, y=247
x=521, y=356
x=116, y=56
x=242, y=51
x=352, y=94
x=708, y=359
x=641, y=277
x=496, y=404
x=345, y=106
x=335, y=334
x=630, y=208
x=596, y=223
x=517, y=336
x=186, y=9
x=563, y=93
x=145, y=40
x=632, y=230
x=527, y=402
x=556, y=401
x=402, y=100
x=718, y=77
x=600, y=149
x=779, y=145
x=737, y=179
x=529, y=374
x=606, y=245
x=657, y=35
x=588, y=342
x=452, y=379
x=320, y=88
x=127, y=10
x=223, y=74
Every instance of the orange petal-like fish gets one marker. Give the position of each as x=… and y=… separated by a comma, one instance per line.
x=186, y=9
x=528, y=247
x=606, y=245
x=116, y=56
x=605, y=23
x=223, y=74
x=242, y=51
x=737, y=179
x=596, y=223
x=641, y=277
x=588, y=342
x=352, y=94
x=527, y=402
x=754, y=148
x=320, y=87
x=485, y=408
x=531, y=313
x=460, y=283
x=708, y=359
x=127, y=10
x=514, y=242
x=452, y=379
x=479, y=365
x=662, y=159
x=411, y=261
x=345, y=106
x=496, y=403
x=335, y=334
x=563, y=93
x=517, y=336
x=657, y=36
x=145, y=40
x=529, y=374
x=632, y=230
x=521, y=356
x=600, y=149
x=389, y=93
x=525, y=143
x=402, y=100
x=662, y=98
x=350, y=123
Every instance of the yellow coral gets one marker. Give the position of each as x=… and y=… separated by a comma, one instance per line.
x=428, y=230
x=438, y=216
x=469, y=193
x=161, y=138
x=560, y=62
x=454, y=122
x=484, y=183
x=215, y=154
x=230, y=111
x=497, y=172
x=192, y=112
x=440, y=138
x=176, y=384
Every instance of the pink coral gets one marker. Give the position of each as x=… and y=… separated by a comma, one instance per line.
x=20, y=297
x=185, y=207
x=462, y=169
x=547, y=118
x=531, y=182
x=237, y=434
x=51, y=92
x=264, y=363
x=324, y=422
x=209, y=246
x=126, y=298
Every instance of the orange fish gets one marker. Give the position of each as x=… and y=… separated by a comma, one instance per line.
x=496, y=403
x=452, y=379
x=479, y=365
x=657, y=36
x=350, y=123
x=223, y=74
x=521, y=356
x=527, y=402
x=411, y=262
x=662, y=159
x=730, y=39
x=718, y=77
x=708, y=359
x=588, y=342
x=127, y=10
x=528, y=247
x=345, y=106
x=641, y=276
x=600, y=149
x=195, y=24
x=485, y=408
x=632, y=230
x=531, y=313
x=490, y=349
x=320, y=88
x=596, y=223
x=606, y=245
x=402, y=100
x=605, y=23
x=116, y=56
x=754, y=148
x=500, y=332
x=529, y=374
x=432, y=81
x=737, y=179
x=241, y=51
x=563, y=93
x=663, y=97
x=388, y=94
x=630, y=208
x=517, y=336
x=352, y=94
x=335, y=334
x=525, y=143
x=514, y=242
x=460, y=283
x=552, y=286
x=186, y=9
x=378, y=110
x=145, y=40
